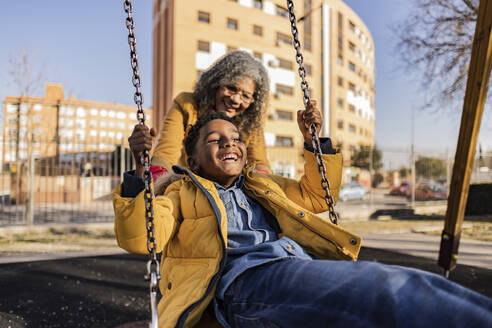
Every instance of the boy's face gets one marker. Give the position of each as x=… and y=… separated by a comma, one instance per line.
x=219, y=153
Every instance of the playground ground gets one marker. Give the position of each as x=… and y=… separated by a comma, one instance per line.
x=105, y=288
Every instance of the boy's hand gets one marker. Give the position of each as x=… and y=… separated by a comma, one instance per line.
x=308, y=117
x=141, y=139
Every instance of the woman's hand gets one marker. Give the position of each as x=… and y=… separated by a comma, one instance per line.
x=141, y=139
x=308, y=117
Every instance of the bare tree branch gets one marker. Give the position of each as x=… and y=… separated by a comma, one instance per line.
x=24, y=74
x=435, y=40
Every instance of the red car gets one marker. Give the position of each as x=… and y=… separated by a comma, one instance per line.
x=427, y=191
x=402, y=190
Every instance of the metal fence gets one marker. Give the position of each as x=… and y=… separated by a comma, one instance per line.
x=68, y=187
x=433, y=165
x=65, y=187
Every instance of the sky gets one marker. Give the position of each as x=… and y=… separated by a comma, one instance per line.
x=83, y=45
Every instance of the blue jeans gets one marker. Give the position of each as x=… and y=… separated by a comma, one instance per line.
x=317, y=293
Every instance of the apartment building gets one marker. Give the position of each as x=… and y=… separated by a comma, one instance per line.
x=55, y=126
x=189, y=35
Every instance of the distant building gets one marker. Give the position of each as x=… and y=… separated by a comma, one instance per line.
x=189, y=35
x=54, y=126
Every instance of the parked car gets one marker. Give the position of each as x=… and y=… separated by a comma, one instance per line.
x=402, y=190
x=353, y=190
x=430, y=191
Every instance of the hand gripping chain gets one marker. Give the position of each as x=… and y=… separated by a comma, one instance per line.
x=325, y=184
x=153, y=270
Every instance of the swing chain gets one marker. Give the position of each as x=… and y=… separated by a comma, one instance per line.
x=153, y=270
x=325, y=183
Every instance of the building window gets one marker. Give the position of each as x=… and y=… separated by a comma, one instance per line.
x=352, y=87
x=257, y=30
x=66, y=110
x=340, y=32
x=258, y=4
x=351, y=108
x=351, y=46
x=307, y=25
x=11, y=108
x=340, y=81
x=283, y=39
x=340, y=60
x=281, y=141
x=204, y=17
x=351, y=26
x=351, y=66
x=232, y=24
x=351, y=128
x=204, y=46
x=340, y=124
x=283, y=115
x=281, y=11
x=286, y=90
x=80, y=123
x=12, y=120
x=285, y=64
x=340, y=102
x=257, y=55
x=309, y=69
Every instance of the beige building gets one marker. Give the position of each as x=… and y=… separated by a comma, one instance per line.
x=52, y=126
x=189, y=35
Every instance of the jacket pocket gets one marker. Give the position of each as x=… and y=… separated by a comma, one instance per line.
x=185, y=280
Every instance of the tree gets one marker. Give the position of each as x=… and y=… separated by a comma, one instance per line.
x=24, y=74
x=436, y=40
x=362, y=158
x=404, y=172
x=429, y=167
x=28, y=79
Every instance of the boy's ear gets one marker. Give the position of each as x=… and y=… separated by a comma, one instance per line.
x=192, y=164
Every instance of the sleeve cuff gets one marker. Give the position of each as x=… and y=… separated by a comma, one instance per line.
x=131, y=185
x=326, y=146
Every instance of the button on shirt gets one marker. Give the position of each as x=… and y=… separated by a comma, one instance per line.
x=251, y=236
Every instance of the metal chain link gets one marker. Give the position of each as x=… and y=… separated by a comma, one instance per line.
x=153, y=269
x=325, y=183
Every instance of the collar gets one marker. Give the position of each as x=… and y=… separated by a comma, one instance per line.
x=238, y=184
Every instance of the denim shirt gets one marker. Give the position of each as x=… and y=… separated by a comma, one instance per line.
x=251, y=236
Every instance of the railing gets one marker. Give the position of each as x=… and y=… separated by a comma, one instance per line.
x=68, y=187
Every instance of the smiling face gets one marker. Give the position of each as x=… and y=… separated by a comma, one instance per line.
x=235, y=98
x=219, y=153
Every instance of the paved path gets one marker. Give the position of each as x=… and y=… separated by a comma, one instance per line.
x=471, y=252
x=108, y=291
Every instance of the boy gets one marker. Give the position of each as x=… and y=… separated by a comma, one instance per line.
x=248, y=245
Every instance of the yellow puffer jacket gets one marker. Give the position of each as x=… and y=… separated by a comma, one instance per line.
x=182, y=115
x=191, y=230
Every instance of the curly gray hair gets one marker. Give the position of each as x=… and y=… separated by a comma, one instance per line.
x=229, y=69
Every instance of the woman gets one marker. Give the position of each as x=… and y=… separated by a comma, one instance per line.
x=236, y=85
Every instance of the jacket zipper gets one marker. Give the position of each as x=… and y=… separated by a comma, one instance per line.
x=184, y=315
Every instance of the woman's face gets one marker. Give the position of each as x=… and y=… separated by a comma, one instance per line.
x=233, y=99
